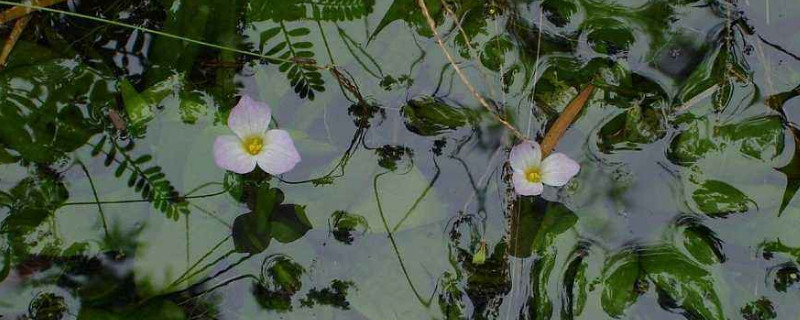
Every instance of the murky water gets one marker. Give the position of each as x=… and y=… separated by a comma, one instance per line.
x=112, y=206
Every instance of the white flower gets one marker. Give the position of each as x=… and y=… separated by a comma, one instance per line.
x=531, y=173
x=254, y=143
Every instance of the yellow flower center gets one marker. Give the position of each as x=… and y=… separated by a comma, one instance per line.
x=253, y=145
x=534, y=175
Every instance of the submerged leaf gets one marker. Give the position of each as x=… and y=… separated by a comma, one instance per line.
x=719, y=199
x=431, y=116
x=538, y=224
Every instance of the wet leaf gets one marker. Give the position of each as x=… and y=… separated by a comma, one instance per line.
x=719, y=199
x=430, y=116
x=623, y=282
x=289, y=223
x=538, y=224
x=251, y=233
x=631, y=129
x=679, y=282
x=608, y=35
x=409, y=12
x=42, y=130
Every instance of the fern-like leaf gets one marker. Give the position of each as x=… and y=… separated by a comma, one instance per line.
x=150, y=182
x=301, y=69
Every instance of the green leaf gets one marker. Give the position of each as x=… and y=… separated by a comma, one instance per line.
x=719, y=199
x=538, y=224
x=430, y=116
x=251, y=234
x=630, y=129
x=701, y=242
x=575, y=284
x=680, y=283
x=608, y=35
x=494, y=52
x=44, y=129
x=559, y=12
x=623, y=282
x=289, y=223
x=409, y=11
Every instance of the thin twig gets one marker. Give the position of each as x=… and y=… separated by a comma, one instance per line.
x=461, y=75
x=12, y=40
x=565, y=119
x=21, y=10
x=473, y=53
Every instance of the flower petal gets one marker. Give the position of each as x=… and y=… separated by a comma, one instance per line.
x=249, y=117
x=230, y=155
x=524, y=187
x=558, y=168
x=279, y=154
x=525, y=155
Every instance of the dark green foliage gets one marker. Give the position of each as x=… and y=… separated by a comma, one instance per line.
x=253, y=231
x=760, y=309
x=334, y=296
x=390, y=155
x=632, y=128
x=785, y=276
x=409, y=12
x=43, y=130
x=47, y=306
x=317, y=10
x=559, y=12
x=34, y=200
x=251, y=234
x=608, y=35
x=149, y=181
x=487, y=282
x=279, y=282
x=344, y=225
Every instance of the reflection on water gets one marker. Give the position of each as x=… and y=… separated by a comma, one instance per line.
x=685, y=206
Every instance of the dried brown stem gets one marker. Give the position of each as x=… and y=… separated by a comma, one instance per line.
x=19, y=26
x=20, y=11
x=565, y=119
x=461, y=75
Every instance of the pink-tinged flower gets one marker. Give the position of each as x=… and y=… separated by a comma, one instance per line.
x=254, y=144
x=531, y=173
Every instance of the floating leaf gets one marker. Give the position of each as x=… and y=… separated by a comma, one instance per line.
x=251, y=234
x=289, y=223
